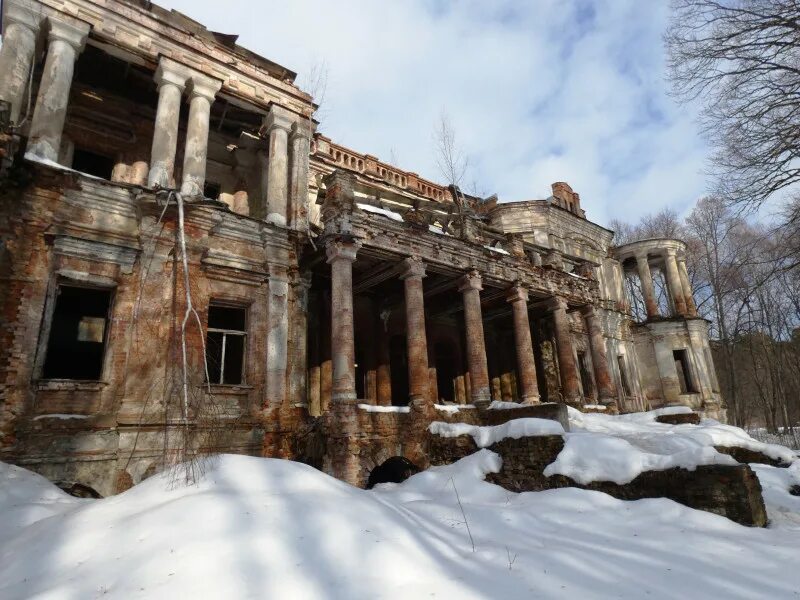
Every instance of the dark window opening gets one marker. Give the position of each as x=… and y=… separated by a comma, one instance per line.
x=623, y=375
x=445, y=371
x=361, y=374
x=226, y=344
x=92, y=164
x=684, y=373
x=211, y=190
x=77, y=340
x=399, y=370
x=586, y=380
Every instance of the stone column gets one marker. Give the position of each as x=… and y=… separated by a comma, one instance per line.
x=171, y=78
x=646, y=279
x=201, y=95
x=570, y=389
x=300, y=140
x=526, y=367
x=417, y=345
x=277, y=336
x=470, y=287
x=278, y=125
x=65, y=43
x=298, y=366
x=691, y=307
x=602, y=376
x=21, y=28
x=341, y=255
x=674, y=282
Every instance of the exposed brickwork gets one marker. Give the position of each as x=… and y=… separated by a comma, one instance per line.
x=691, y=418
x=731, y=491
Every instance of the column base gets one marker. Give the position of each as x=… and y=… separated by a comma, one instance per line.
x=530, y=400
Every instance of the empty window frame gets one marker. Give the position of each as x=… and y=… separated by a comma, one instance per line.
x=78, y=333
x=226, y=344
x=92, y=163
x=623, y=375
x=685, y=380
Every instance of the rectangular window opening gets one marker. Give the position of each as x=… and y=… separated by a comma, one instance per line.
x=78, y=333
x=226, y=344
x=92, y=163
x=685, y=380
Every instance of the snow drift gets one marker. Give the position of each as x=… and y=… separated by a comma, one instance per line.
x=266, y=528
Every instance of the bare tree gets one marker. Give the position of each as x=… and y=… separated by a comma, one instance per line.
x=450, y=158
x=741, y=60
x=315, y=83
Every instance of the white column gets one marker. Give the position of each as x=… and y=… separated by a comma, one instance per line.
x=65, y=43
x=20, y=30
x=201, y=95
x=171, y=78
x=298, y=194
x=278, y=126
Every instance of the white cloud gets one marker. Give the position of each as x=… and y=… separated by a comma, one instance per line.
x=537, y=91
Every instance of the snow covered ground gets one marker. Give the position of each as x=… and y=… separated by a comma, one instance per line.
x=266, y=528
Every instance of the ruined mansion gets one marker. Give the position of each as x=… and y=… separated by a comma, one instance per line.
x=342, y=304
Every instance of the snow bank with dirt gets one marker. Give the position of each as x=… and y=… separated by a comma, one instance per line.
x=486, y=436
x=265, y=528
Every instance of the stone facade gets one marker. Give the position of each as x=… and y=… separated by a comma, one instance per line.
x=324, y=280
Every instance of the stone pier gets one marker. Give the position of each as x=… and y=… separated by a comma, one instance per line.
x=21, y=28
x=65, y=43
x=526, y=367
x=566, y=359
x=470, y=288
x=201, y=95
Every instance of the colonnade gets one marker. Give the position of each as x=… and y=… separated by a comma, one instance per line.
x=282, y=160
x=677, y=278
x=342, y=252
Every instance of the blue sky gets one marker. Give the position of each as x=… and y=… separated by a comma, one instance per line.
x=538, y=91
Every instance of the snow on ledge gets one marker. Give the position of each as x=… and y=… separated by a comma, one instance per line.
x=486, y=436
x=384, y=409
x=59, y=416
x=588, y=457
x=498, y=250
x=595, y=407
x=500, y=405
x=453, y=408
x=381, y=211
x=53, y=164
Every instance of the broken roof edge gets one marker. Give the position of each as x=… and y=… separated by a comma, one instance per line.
x=227, y=42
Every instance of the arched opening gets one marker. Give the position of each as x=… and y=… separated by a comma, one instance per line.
x=445, y=371
x=399, y=368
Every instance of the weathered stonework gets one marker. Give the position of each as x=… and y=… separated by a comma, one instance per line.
x=322, y=278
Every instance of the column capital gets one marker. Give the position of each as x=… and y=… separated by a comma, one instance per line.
x=589, y=311
x=278, y=118
x=204, y=87
x=171, y=72
x=73, y=33
x=302, y=129
x=517, y=293
x=670, y=252
x=412, y=267
x=642, y=255
x=21, y=15
x=470, y=281
x=558, y=303
x=338, y=249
